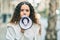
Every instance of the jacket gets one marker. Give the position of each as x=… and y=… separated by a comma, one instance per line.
x=14, y=32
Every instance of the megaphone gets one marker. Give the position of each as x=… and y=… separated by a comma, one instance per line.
x=25, y=22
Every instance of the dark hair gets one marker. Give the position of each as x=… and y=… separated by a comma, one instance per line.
x=16, y=15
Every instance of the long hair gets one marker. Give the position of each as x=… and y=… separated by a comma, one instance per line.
x=16, y=16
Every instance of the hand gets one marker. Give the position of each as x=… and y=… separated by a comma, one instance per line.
x=22, y=30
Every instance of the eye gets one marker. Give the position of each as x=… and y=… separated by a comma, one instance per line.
x=27, y=10
x=22, y=9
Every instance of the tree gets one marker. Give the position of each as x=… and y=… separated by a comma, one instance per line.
x=51, y=33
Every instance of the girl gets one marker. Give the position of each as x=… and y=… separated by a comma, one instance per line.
x=15, y=32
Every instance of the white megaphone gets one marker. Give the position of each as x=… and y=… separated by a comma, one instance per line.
x=25, y=22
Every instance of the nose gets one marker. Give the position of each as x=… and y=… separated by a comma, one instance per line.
x=24, y=13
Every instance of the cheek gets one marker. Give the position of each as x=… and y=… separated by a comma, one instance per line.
x=28, y=14
x=21, y=14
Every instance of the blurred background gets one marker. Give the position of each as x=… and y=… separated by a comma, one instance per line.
x=49, y=11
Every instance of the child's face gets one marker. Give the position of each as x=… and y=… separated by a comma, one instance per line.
x=25, y=10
